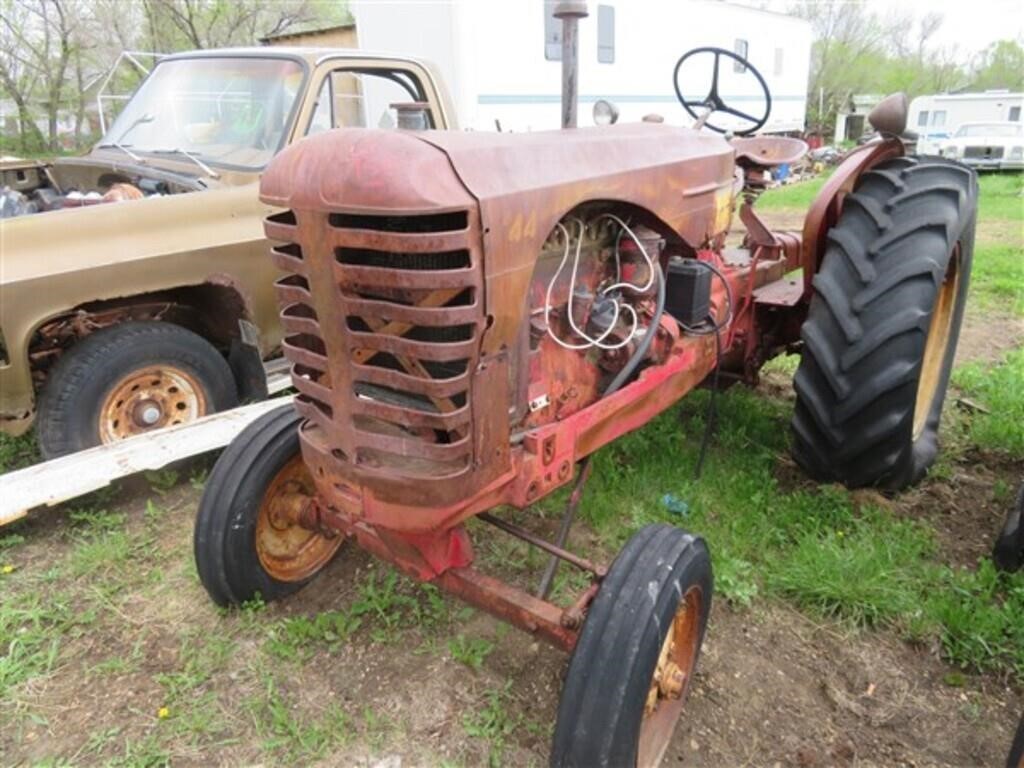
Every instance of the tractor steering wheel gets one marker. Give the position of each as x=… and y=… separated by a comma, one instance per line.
x=713, y=102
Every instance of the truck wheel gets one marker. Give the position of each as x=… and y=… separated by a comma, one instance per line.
x=637, y=652
x=246, y=541
x=881, y=333
x=1008, y=553
x=128, y=379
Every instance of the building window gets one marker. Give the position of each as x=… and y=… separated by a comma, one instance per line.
x=606, y=34
x=740, y=49
x=778, y=61
x=1014, y=114
x=922, y=118
x=939, y=117
x=552, y=32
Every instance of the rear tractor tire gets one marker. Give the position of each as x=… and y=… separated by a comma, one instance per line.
x=129, y=379
x=637, y=652
x=881, y=334
x=246, y=543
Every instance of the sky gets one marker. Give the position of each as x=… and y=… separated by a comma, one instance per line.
x=971, y=25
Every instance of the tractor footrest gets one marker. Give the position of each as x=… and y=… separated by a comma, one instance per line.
x=780, y=293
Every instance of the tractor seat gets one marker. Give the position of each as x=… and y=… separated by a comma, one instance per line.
x=767, y=151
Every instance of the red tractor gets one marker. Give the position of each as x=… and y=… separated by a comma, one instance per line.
x=470, y=316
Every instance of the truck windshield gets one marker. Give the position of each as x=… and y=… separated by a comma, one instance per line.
x=224, y=110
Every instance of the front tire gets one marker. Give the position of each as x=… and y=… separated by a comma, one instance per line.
x=881, y=334
x=244, y=542
x=637, y=652
x=128, y=379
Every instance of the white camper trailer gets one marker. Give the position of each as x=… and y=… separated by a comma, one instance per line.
x=501, y=60
x=934, y=118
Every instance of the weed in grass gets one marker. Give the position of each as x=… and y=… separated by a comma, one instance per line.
x=33, y=626
x=120, y=664
x=735, y=580
x=198, y=476
x=376, y=728
x=293, y=639
x=981, y=615
x=1002, y=492
x=295, y=737
x=162, y=480
x=147, y=752
x=92, y=520
x=200, y=657
x=10, y=541
x=18, y=452
x=471, y=651
x=101, y=552
x=153, y=511
x=380, y=601
x=999, y=389
x=492, y=722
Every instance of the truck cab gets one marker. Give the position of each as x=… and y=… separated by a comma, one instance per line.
x=160, y=225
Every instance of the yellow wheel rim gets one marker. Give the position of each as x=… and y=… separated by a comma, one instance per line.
x=286, y=550
x=671, y=679
x=936, y=344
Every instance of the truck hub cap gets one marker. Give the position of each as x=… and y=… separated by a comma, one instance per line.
x=286, y=550
x=670, y=680
x=150, y=398
x=936, y=343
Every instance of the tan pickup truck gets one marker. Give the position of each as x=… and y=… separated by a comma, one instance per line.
x=135, y=286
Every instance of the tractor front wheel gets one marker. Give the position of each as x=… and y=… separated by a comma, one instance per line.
x=247, y=537
x=881, y=334
x=637, y=652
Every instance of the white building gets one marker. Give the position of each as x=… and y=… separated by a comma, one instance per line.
x=501, y=58
x=934, y=118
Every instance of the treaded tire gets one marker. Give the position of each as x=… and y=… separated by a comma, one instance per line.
x=602, y=705
x=1008, y=552
x=882, y=277
x=69, y=407
x=224, y=542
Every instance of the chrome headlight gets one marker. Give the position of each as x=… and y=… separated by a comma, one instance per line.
x=1017, y=153
x=950, y=150
x=605, y=113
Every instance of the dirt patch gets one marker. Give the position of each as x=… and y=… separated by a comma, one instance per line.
x=986, y=337
x=776, y=689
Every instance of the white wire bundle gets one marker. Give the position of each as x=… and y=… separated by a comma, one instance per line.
x=599, y=341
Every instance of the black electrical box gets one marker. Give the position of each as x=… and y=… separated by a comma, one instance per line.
x=688, y=291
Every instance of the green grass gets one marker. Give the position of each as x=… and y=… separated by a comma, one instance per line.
x=491, y=721
x=997, y=278
x=471, y=651
x=17, y=452
x=1000, y=390
x=1002, y=196
x=814, y=546
x=798, y=195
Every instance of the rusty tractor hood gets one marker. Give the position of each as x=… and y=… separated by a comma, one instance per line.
x=523, y=183
x=367, y=170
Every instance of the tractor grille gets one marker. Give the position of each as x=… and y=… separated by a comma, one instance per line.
x=382, y=318
x=988, y=153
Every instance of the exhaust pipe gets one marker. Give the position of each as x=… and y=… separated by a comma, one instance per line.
x=570, y=12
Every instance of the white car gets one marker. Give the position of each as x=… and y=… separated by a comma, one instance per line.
x=996, y=146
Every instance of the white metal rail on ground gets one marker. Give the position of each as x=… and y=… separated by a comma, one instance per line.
x=69, y=477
